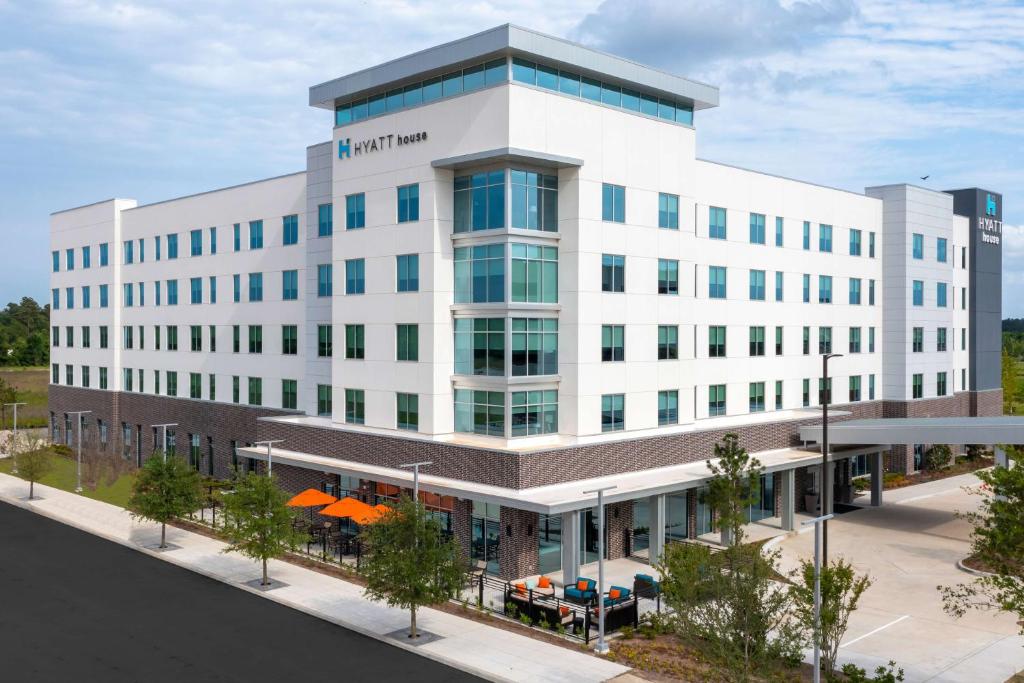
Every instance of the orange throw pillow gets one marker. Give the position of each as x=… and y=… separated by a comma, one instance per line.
x=521, y=588
x=544, y=582
x=614, y=594
x=582, y=584
x=564, y=611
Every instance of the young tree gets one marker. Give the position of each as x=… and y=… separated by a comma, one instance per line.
x=34, y=464
x=841, y=590
x=729, y=605
x=998, y=542
x=165, y=488
x=937, y=457
x=734, y=487
x=258, y=521
x=407, y=561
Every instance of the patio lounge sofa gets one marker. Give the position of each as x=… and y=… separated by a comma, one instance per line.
x=646, y=586
x=582, y=592
x=533, y=584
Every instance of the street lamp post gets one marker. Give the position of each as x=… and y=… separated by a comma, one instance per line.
x=78, y=476
x=268, y=444
x=818, y=523
x=602, y=647
x=14, y=442
x=416, y=476
x=826, y=507
x=164, y=440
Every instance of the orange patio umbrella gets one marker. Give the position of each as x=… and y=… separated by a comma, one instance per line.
x=310, y=498
x=356, y=510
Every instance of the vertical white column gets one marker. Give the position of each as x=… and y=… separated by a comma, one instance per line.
x=877, y=468
x=788, y=495
x=570, y=546
x=656, y=544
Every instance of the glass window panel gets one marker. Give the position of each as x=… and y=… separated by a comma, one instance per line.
x=569, y=83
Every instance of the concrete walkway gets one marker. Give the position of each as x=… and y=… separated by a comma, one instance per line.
x=483, y=650
x=909, y=546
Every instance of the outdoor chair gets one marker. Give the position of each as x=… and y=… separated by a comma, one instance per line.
x=645, y=586
x=582, y=592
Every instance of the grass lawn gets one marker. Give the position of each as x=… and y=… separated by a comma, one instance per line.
x=110, y=487
x=31, y=384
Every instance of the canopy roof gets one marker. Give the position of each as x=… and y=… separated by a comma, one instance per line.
x=1007, y=429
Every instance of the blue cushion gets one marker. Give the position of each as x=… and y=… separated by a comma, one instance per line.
x=573, y=592
x=645, y=577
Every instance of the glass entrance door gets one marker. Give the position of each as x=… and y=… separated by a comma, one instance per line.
x=588, y=536
x=704, y=524
x=765, y=507
x=486, y=535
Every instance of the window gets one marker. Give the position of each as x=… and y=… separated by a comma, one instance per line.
x=778, y=394
x=407, y=342
x=355, y=406
x=55, y=373
x=236, y=280
x=613, y=203
x=172, y=337
x=156, y=241
x=55, y=305
x=756, y=335
x=255, y=286
x=940, y=249
x=355, y=342
x=324, y=341
x=196, y=290
x=172, y=246
x=70, y=336
x=480, y=272
x=255, y=338
x=290, y=285
x=56, y=261
x=716, y=223
x=355, y=280
x=918, y=293
x=55, y=336
x=757, y=228
x=408, y=409
x=103, y=336
x=172, y=292
x=213, y=289
x=778, y=231
x=807, y=236
x=324, y=399
x=778, y=341
x=196, y=337
x=871, y=387
x=480, y=346
x=940, y=339
x=757, y=285
x=104, y=297
x=104, y=254
x=824, y=340
x=289, y=230
x=917, y=383
x=854, y=242
x=534, y=274
x=195, y=385
x=126, y=377
x=668, y=407
x=940, y=294
x=534, y=412
x=716, y=341
x=807, y=341
x=824, y=391
x=235, y=393
x=613, y=347
x=613, y=273
x=778, y=286
x=854, y=291
x=127, y=334
x=324, y=279
x=69, y=297
x=756, y=397
x=128, y=295
x=871, y=340
x=256, y=234
x=824, y=237
x=668, y=211
x=854, y=388
x=918, y=340
x=806, y=288
x=940, y=384
x=480, y=412
x=716, y=282
x=195, y=242
x=963, y=298
x=289, y=340
x=172, y=383
x=87, y=298
x=854, y=340
x=289, y=394
x=355, y=213
x=408, y=203
x=237, y=234
x=824, y=289
x=668, y=342
x=918, y=246
x=128, y=250
x=716, y=400
x=534, y=201
x=255, y=391
x=668, y=276
x=85, y=337
x=407, y=267
x=534, y=346
x=963, y=338
x=613, y=412
x=480, y=202
x=85, y=376
x=871, y=292
x=963, y=379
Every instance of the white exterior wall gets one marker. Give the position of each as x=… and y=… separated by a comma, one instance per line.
x=960, y=340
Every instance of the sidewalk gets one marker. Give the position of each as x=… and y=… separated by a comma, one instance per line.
x=485, y=651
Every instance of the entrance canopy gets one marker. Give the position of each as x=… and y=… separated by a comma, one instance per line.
x=1008, y=429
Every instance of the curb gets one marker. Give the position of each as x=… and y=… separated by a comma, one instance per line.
x=975, y=572
x=26, y=505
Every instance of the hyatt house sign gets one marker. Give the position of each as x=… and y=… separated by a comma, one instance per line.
x=347, y=148
x=991, y=228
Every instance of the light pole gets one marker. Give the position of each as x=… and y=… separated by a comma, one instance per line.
x=602, y=647
x=268, y=444
x=826, y=396
x=416, y=476
x=164, y=441
x=78, y=418
x=818, y=523
x=14, y=443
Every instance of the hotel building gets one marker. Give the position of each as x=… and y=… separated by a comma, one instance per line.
x=509, y=261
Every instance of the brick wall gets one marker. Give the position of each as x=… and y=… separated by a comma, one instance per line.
x=618, y=522
x=518, y=551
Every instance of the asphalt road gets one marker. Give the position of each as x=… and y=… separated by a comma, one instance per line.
x=74, y=607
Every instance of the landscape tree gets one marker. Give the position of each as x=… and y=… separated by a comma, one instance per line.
x=841, y=590
x=997, y=545
x=258, y=521
x=937, y=457
x=408, y=562
x=24, y=334
x=34, y=464
x=734, y=486
x=165, y=488
x=730, y=606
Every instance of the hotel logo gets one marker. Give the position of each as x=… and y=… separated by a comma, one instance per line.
x=990, y=205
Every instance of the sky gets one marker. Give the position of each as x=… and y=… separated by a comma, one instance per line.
x=152, y=100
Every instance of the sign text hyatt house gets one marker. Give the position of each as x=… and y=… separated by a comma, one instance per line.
x=346, y=148
x=991, y=228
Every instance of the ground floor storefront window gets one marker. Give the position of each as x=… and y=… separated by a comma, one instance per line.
x=486, y=529
x=549, y=543
x=676, y=521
